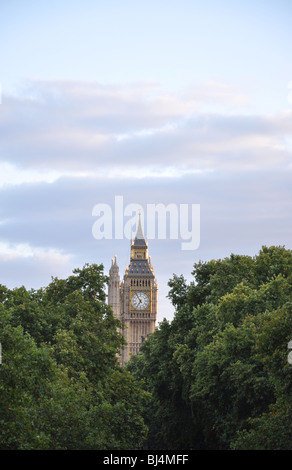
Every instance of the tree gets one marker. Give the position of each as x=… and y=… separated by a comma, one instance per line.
x=219, y=366
x=61, y=385
x=166, y=415
x=272, y=429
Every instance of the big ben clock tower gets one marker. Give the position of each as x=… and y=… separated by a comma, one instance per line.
x=134, y=300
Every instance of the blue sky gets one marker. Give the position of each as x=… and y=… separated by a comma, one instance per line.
x=174, y=43
x=160, y=102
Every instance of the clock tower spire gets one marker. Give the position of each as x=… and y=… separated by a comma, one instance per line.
x=138, y=296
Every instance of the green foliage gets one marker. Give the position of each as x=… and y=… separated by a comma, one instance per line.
x=216, y=377
x=218, y=373
x=61, y=386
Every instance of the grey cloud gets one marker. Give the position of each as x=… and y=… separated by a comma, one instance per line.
x=244, y=193
x=60, y=214
x=239, y=213
x=72, y=126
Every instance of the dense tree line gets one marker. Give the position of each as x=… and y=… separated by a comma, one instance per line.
x=61, y=386
x=218, y=373
x=215, y=377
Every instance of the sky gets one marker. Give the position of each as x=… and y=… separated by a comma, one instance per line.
x=181, y=103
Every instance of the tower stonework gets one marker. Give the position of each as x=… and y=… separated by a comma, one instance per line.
x=134, y=300
x=114, y=288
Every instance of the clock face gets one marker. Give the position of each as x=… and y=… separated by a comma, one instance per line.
x=140, y=300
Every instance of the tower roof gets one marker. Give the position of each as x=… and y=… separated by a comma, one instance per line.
x=139, y=239
x=114, y=267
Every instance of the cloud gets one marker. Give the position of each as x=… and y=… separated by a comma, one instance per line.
x=12, y=175
x=66, y=146
x=10, y=251
x=46, y=228
x=31, y=266
x=74, y=128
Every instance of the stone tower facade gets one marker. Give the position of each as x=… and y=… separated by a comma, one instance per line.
x=134, y=300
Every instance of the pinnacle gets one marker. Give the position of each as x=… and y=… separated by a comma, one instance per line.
x=140, y=234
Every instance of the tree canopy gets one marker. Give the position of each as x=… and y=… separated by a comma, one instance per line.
x=215, y=377
x=218, y=372
x=61, y=386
